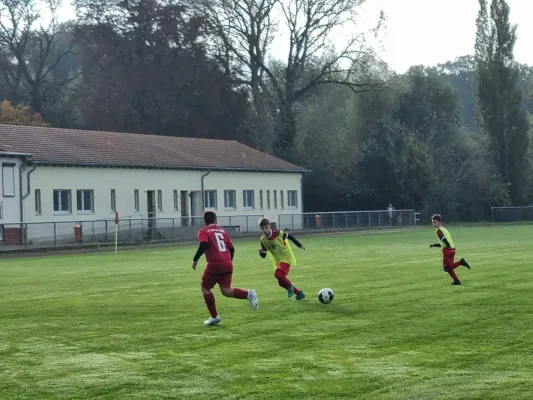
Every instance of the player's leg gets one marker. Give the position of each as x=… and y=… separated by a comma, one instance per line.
x=224, y=282
x=281, y=275
x=208, y=283
x=447, y=262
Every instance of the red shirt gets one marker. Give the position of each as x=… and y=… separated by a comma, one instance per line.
x=218, y=245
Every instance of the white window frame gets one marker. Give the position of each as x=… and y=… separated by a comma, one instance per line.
x=210, y=199
x=136, y=205
x=248, y=199
x=176, y=200
x=160, y=200
x=84, y=211
x=8, y=180
x=38, y=202
x=113, y=200
x=230, y=196
x=292, y=199
x=61, y=211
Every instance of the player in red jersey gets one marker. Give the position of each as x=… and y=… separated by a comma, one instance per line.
x=219, y=251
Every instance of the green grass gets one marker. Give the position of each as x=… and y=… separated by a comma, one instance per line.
x=129, y=326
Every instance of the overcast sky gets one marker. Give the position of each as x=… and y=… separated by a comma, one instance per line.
x=426, y=31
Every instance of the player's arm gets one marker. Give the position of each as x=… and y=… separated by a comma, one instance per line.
x=442, y=239
x=202, y=247
x=263, y=251
x=293, y=239
x=232, y=252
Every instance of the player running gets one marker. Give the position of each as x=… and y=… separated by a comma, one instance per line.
x=219, y=251
x=448, y=249
x=275, y=242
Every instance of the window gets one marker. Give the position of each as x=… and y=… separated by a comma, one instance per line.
x=176, y=200
x=38, y=201
x=229, y=199
x=8, y=180
x=160, y=200
x=268, y=199
x=261, y=199
x=275, y=199
x=210, y=199
x=293, y=198
x=282, y=199
x=84, y=201
x=62, y=201
x=136, y=199
x=113, y=200
x=248, y=199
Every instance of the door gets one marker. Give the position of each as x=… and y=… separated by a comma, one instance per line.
x=150, y=209
x=196, y=204
x=184, y=196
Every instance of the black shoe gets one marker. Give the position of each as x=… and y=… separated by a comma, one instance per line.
x=464, y=263
x=456, y=283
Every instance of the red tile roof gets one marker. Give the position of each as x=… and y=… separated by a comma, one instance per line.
x=112, y=149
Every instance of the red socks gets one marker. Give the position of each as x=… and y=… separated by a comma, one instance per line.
x=210, y=303
x=240, y=294
x=283, y=281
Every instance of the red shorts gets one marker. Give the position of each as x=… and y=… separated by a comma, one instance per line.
x=448, y=256
x=284, y=267
x=210, y=279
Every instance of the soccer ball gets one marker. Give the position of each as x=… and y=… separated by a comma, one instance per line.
x=325, y=296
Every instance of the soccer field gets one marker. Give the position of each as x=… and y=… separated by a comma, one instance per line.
x=129, y=326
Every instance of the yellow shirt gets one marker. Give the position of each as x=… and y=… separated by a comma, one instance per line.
x=278, y=247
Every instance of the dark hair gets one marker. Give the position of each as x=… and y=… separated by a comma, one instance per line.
x=264, y=222
x=437, y=217
x=210, y=217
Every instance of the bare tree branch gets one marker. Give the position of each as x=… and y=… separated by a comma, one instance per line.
x=31, y=49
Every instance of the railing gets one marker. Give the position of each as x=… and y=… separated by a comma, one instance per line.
x=349, y=220
x=134, y=230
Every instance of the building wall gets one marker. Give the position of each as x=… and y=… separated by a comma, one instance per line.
x=46, y=221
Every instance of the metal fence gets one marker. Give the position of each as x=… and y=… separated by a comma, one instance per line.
x=55, y=234
x=349, y=220
x=512, y=214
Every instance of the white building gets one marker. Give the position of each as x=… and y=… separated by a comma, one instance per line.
x=52, y=178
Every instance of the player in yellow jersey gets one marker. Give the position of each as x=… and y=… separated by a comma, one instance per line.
x=448, y=249
x=275, y=243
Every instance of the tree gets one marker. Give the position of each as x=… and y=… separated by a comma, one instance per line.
x=19, y=115
x=31, y=52
x=499, y=97
x=147, y=71
x=245, y=28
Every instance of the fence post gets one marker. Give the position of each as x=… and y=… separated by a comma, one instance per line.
x=55, y=234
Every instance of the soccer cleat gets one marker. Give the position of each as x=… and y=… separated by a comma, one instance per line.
x=290, y=291
x=212, y=321
x=456, y=283
x=300, y=296
x=464, y=263
x=252, y=298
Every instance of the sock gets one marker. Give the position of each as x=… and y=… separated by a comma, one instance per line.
x=210, y=303
x=453, y=274
x=297, y=291
x=282, y=280
x=240, y=294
